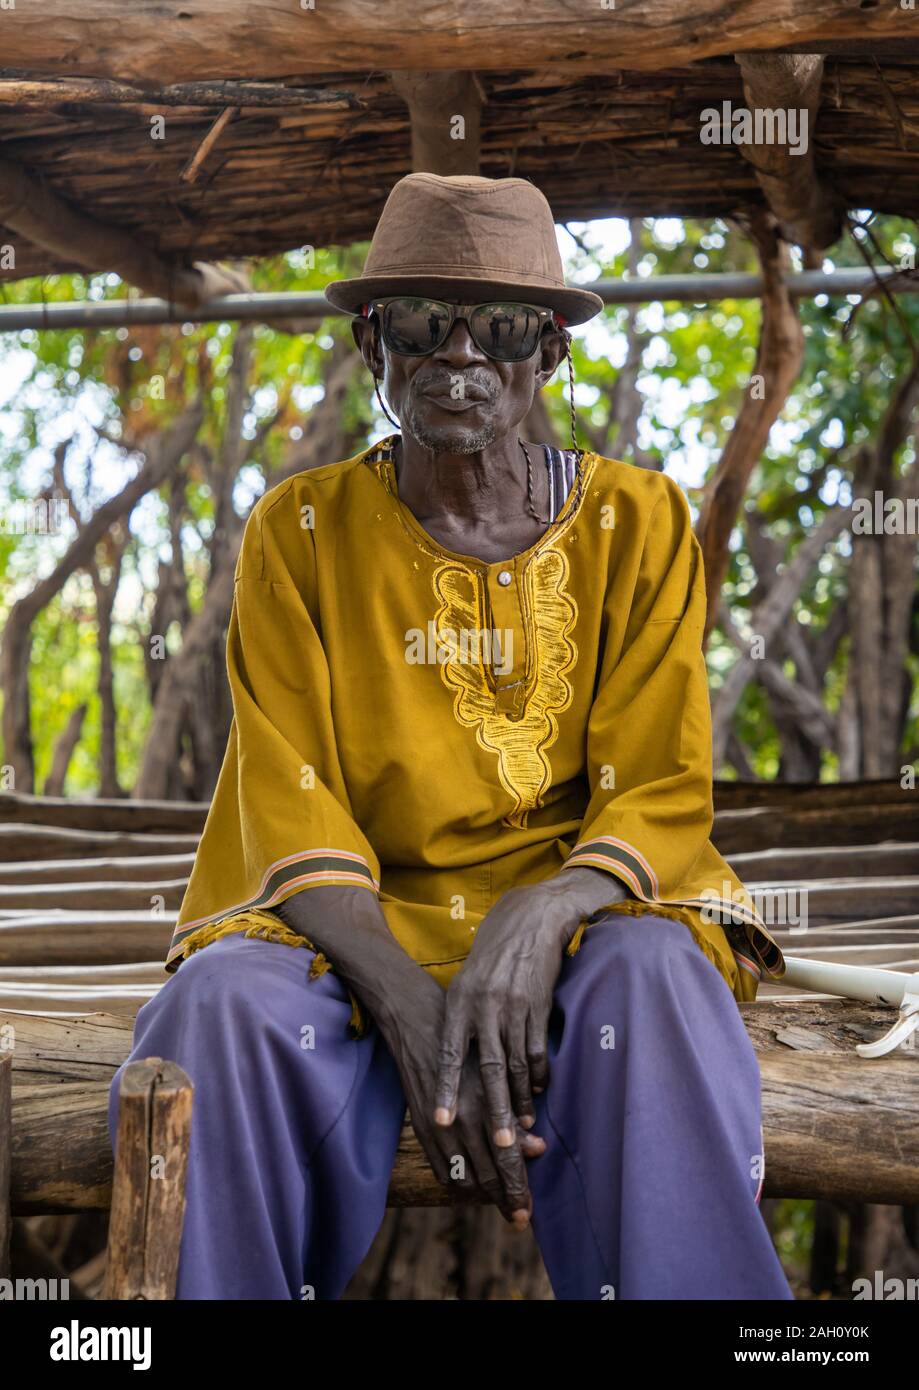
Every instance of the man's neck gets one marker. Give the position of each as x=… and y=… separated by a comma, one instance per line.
x=467, y=489
x=475, y=504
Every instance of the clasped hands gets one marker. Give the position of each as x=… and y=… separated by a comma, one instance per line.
x=491, y=1055
x=470, y=1058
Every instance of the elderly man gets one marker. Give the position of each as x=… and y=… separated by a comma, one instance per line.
x=458, y=857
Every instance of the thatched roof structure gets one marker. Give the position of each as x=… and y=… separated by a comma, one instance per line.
x=308, y=155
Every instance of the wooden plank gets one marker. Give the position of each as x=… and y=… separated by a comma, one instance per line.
x=50, y=842
x=836, y=1126
x=148, y=1192
x=251, y=39
x=78, y=1000
x=759, y=828
x=101, y=938
x=820, y=796
x=148, y=972
x=825, y=861
x=129, y=868
x=100, y=896
x=97, y=813
x=78, y=990
x=835, y=900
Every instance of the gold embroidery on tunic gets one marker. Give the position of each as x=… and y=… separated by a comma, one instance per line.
x=521, y=744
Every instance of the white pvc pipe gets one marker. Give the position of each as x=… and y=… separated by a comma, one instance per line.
x=863, y=982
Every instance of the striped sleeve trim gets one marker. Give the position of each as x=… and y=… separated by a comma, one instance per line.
x=621, y=858
x=747, y=964
x=629, y=864
x=309, y=869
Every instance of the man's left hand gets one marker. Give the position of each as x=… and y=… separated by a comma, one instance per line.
x=502, y=997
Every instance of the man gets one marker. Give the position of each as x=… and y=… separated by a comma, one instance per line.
x=469, y=777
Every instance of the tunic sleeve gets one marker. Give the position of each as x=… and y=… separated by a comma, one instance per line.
x=281, y=819
x=649, y=746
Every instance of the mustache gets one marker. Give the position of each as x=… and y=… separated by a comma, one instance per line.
x=441, y=378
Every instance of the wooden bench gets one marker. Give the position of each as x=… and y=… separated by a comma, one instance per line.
x=79, y=954
x=835, y=1126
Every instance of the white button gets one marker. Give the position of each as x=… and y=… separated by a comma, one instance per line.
x=505, y=577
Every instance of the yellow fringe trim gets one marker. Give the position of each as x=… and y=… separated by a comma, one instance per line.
x=574, y=945
x=632, y=907
x=267, y=927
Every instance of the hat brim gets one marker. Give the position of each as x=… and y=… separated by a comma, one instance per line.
x=575, y=306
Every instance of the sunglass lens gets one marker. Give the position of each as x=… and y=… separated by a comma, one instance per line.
x=508, y=332
x=415, y=326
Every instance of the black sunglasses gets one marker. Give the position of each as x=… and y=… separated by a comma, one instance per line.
x=502, y=329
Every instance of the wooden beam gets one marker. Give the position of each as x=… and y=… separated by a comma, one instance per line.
x=148, y=1191
x=24, y=90
x=835, y=1126
x=808, y=212
x=175, y=41
x=445, y=109
x=30, y=208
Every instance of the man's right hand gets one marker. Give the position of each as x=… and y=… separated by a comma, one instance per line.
x=348, y=926
x=463, y=1153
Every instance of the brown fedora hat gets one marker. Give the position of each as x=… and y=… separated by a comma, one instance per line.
x=468, y=238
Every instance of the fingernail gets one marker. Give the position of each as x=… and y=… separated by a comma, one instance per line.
x=504, y=1138
x=538, y=1090
x=528, y=1121
x=442, y=1116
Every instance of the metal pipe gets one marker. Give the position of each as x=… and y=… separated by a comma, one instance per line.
x=688, y=289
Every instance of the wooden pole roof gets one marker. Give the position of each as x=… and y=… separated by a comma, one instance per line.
x=208, y=130
x=164, y=41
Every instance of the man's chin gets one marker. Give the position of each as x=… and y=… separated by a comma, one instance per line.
x=450, y=438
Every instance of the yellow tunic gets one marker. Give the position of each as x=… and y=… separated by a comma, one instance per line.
x=436, y=729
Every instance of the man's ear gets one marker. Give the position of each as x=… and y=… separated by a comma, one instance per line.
x=551, y=353
x=367, y=340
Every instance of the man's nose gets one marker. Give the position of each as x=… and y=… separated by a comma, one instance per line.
x=459, y=347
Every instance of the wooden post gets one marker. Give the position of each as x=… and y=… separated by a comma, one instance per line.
x=809, y=212
x=6, y=1162
x=436, y=101
x=148, y=1193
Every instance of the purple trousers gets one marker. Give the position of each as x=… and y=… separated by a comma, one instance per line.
x=649, y=1185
